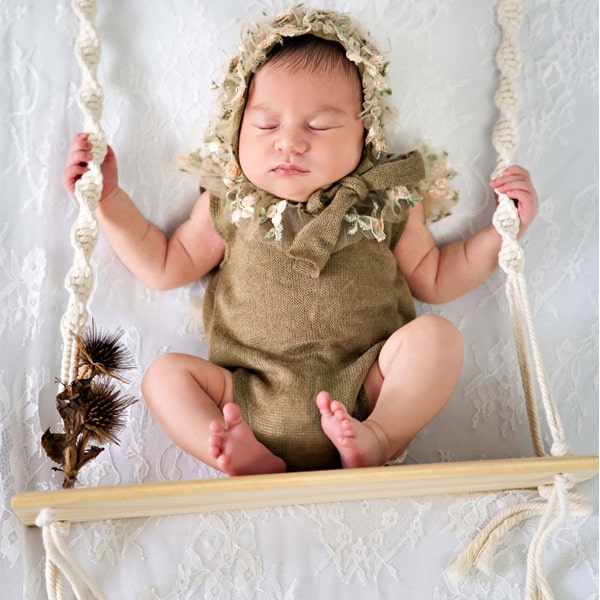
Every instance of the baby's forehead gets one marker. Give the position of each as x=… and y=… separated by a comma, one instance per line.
x=314, y=90
x=307, y=62
x=274, y=73
x=275, y=69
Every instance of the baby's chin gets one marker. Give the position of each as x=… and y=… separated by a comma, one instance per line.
x=299, y=192
x=300, y=197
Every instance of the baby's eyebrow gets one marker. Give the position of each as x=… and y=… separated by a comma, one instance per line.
x=261, y=107
x=330, y=109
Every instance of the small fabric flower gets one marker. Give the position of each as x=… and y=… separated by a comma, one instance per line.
x=275, y=211
x=232, y=171
x=377, y=228
x=244, y=209
x=440, y=188
x=400, y=192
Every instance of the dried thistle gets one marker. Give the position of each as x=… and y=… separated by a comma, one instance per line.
x=90, y=408
x=104, y=411
x=100, y=353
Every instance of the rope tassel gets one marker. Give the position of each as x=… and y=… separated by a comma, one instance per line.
x=60, y=559
x=556, y=502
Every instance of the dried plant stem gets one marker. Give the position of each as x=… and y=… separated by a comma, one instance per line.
x=90, y=406
x=70, y=468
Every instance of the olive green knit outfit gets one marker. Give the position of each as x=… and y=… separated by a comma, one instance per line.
x=307, y=294
x=292, y=322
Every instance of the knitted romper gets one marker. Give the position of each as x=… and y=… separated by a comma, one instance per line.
x=291, y=323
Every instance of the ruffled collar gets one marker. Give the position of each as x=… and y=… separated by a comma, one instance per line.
x=357, y=206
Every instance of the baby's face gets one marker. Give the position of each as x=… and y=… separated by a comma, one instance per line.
x=300, y=131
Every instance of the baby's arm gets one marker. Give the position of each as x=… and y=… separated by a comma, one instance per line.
x=438, y=275
x=157, y=260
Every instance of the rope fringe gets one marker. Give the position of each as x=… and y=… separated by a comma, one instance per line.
x=479, y=555
x=557, y=501
x=60, y=560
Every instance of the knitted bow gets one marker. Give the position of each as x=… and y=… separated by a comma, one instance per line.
x=315, y=242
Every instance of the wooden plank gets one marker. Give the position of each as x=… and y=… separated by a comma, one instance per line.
x=254, y=491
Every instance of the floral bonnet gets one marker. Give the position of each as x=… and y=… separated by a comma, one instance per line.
x=217, y=163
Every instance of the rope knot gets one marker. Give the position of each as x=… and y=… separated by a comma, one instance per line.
x=46, y=516
x=560, y=448
x=506, y=217
x=565, y=481
x=511, y=257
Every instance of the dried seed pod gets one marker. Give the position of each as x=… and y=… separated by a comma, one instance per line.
x=100, y=353
x=91, y=407
x=104, y=408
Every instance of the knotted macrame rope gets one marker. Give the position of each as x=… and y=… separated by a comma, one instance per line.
x=79, y=281
x=84, y=233
x=557, y=500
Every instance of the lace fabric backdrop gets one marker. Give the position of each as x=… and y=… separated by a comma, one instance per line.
x=156, y=70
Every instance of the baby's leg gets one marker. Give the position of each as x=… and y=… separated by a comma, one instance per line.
x=192, y=400
x=407, y=386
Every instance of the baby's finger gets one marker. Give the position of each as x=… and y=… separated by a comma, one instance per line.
x=515, y=170
x=74, y=173
x=81, y=157
x=514, y=188
x=510, y=179
x=71, y=174
x=512, y=173
x=81, y=136
x=79, y=144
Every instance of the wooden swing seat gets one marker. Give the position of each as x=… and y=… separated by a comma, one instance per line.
x=313, y=487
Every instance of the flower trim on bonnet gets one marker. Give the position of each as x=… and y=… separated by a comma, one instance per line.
x=218, y=166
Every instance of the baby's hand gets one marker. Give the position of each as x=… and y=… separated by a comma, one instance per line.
x=80, y=153
x=516, y=183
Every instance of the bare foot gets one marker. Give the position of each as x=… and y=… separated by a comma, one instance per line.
x=236, y=449
x=360, y=444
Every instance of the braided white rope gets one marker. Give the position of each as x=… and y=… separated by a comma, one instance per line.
x=480, y=552
x=59, y=555
x=506, y=221
x=84, y=233
x=505, y=138
x=557, y=500
x=79, y=280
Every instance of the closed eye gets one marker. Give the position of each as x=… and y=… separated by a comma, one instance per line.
x=266, y=126
x=321, y=126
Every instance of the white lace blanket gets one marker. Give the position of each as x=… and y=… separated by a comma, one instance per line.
x=156, y=70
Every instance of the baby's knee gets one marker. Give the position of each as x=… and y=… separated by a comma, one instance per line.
x=158, y=374
x=446, y=330
x=441, y=334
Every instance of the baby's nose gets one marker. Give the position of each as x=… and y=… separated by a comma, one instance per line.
x=291, y=140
